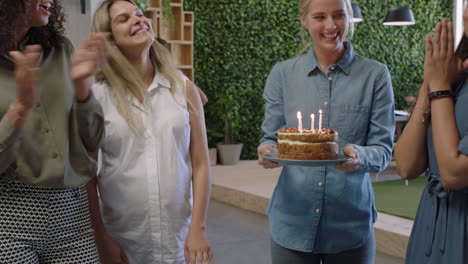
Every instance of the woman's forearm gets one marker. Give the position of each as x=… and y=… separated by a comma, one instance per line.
x=453, y=165
x=201, y=173
x=201, y=196
x=94, y=211
x=411, y=148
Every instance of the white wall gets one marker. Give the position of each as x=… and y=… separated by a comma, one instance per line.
x=458, y=7
x=78, y=25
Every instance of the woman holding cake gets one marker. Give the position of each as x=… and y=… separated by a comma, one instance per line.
x=49, y=121
x=326, y=214
x=155, y=155
x=436, y=141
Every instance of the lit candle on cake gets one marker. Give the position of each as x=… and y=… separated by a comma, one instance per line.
x=320, y=120
x=312, y=121
x=299, y=119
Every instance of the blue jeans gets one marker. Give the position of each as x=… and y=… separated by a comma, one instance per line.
x=361, y=255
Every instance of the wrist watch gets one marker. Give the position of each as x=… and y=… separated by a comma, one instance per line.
x=438, y=94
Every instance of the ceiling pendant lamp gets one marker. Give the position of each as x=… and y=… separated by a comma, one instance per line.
x=357, y=16
x=399, y=16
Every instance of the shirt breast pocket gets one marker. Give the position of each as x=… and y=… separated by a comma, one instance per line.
x=351, y=122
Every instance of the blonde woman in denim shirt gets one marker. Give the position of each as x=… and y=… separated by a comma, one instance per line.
x=326, y=214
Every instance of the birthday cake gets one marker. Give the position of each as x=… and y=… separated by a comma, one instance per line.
x=307, y=144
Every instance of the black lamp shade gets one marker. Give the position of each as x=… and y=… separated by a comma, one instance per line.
x=83, y=6
x=399, y=16
x=357, y=16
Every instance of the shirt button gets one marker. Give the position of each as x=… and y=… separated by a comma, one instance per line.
x=46, y=130
x=332, y=68
x=38, y=105
x=317, y=210
x=320, y=183
x=54, y=155
x=330, y=78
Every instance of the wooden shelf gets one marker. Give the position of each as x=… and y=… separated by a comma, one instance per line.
x=182, y=54
x=177, y=32
x=153, y=9
x=184, y=67
x=188, y=33
x=182, y=42
x=155, y=3
x=188, y=17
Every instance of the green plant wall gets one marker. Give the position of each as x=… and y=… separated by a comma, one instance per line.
x=237, y=42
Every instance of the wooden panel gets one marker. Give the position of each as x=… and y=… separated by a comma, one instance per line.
x=182, y=53
x=188, y=32
x=178, y=33
x=188, y=17
x=155, y=3
x=172, y=31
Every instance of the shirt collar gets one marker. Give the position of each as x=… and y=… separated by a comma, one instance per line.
x=344, y=63
x=159, y=81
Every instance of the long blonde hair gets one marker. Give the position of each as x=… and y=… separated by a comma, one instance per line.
x=304, y=8
x=125, y=83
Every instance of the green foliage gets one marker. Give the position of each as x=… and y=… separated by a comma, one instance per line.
x=142, y=4
x=401, y=48
x=237, y=42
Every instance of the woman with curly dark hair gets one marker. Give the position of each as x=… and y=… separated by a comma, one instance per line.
x=49, y=121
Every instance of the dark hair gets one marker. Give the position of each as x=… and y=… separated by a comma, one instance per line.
x=14, y=15
x=462, y=49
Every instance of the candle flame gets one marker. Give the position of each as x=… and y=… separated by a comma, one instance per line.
x=312, y=115
x=320, y=111
x=299, y=115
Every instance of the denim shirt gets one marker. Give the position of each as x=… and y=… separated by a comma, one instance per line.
x=322, y=209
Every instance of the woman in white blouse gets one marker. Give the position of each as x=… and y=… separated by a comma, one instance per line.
x=149, y=171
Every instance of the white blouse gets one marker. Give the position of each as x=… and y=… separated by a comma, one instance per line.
x=144, y=180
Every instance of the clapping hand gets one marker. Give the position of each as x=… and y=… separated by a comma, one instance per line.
x=441, y=66
x=85, y=63
x=26, y=75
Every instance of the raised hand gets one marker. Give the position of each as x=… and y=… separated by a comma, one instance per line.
x=26, y=75
x=85, y=63
x=440, y=64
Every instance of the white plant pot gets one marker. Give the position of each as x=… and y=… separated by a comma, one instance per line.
x=212, y=152
x=229, y=154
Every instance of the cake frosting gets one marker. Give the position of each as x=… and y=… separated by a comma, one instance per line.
x=308, y=144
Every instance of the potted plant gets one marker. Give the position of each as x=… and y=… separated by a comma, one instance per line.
x=229, y=150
